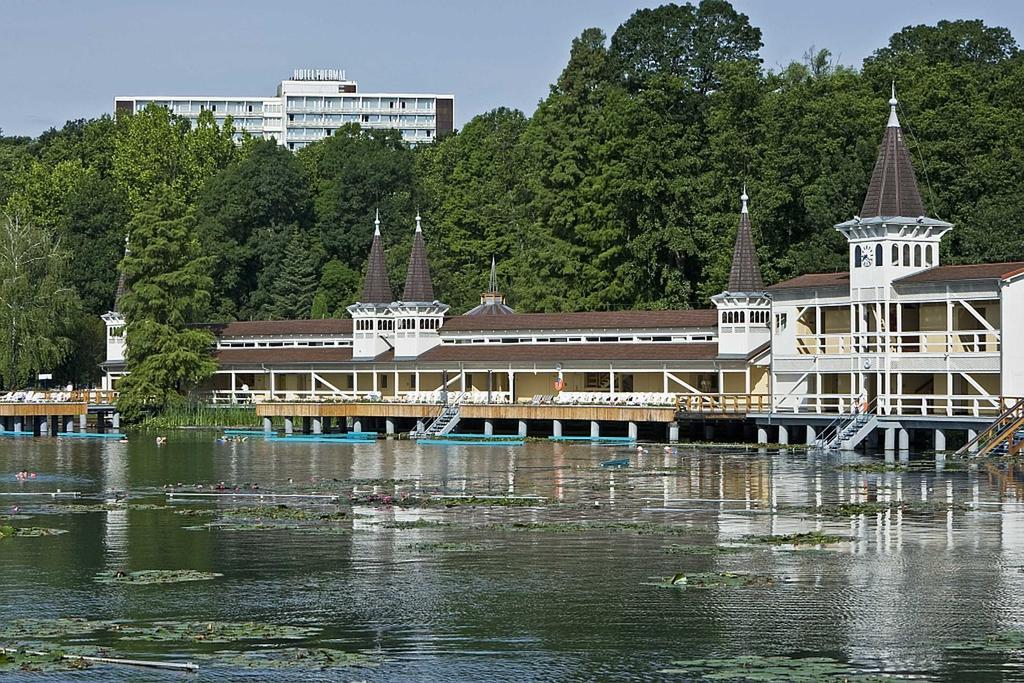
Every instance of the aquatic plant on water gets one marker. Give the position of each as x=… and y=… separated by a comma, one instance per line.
x=29, y=531
x=319, y=658
x=686, y=549
x=154, y=576
x=214, y=632
x=716, y=580
x=803, y=538
x=449, y=547
x=416, y=524
x=20, y=659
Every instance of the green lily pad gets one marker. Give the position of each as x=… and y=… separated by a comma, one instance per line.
x=449, y=547
x=716, y=580
x=805, y=538
x=32, y=629
x=685, y=549
x=214, y=632
x=284, y=512
x=29, y=531
x=292, y=658
x=152, y=576
x=583, y=527
x=17, y=659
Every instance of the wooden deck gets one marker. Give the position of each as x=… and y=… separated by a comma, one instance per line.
x=42, y=409
x=349, y=409
x=470, y=411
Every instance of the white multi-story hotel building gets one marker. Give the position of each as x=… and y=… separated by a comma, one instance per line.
x=310, y=106
x=895, y=345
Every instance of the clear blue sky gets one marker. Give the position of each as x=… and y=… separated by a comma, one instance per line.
x=68, y=59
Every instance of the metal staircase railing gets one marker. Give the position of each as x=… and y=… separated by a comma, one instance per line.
x=845, y=427
x=1005, y=436
x=445, y=421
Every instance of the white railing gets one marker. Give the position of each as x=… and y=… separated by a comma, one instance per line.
x=924, y=341
x=905, y=405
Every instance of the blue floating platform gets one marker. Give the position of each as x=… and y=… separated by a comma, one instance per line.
x=244, y=432
x=92, y=435
x=594, y=439
x=10, y=433
x=456, y=436
x=467, y=442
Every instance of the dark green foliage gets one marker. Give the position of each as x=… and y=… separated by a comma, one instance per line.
x=169, y=288
x=620, y=191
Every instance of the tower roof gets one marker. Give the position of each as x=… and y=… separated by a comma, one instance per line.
x=893, y=187
x=418, y=286
x=492, y=302
x=376, y=287
x=745, y=275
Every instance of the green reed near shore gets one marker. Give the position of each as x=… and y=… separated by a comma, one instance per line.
x=203, y=415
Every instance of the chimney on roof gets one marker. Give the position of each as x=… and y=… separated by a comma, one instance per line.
x=745, y=274
x=418, y=286
x=893, y=188
x=376, y=286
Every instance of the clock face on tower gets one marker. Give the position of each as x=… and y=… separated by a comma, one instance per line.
x=866, y=259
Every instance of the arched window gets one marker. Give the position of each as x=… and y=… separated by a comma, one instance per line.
x=878, y=254
x=743, y=316
x=917, y=255
x=929, y=259
x=906, y=254
x=895, y=254
x=856, y=257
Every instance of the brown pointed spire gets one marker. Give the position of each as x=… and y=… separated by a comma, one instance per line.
x=745, y=275
x=122, y=286
x=893, y=187
x=376, y=287
x=418, y=286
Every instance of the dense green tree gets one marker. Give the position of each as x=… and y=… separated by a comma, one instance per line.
x=340, y=285
x=35, y=300
x=692, y=43
x=292, y=290
x=265, y=189
x=169, y=284
x=354, y=173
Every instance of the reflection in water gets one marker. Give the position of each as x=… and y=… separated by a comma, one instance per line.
x=532, y=604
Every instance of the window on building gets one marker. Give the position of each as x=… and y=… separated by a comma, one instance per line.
x=250, y=107
x=906, y=254
x=929, y=259
x=383, y=381
x=878, y=255
x=917, y=255
x=781, y=321
x=856, y=256
x=895, y=255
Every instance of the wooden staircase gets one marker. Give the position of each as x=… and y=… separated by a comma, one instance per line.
x=1005, y=436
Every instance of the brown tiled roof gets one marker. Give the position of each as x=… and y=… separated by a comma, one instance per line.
x=295, y=354
x=813, y=281
x=418, y=286
x=973, y=271
x=745, y=275
x=595, y=320
x=268, y=328
x=893, y=187
x=570, y=352
x=376, y=286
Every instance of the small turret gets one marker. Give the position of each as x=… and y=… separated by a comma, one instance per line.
x=373, y=326
x=418, y=315
x=492, y=302
x=744, y=309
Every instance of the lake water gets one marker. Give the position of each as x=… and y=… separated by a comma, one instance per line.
x=571, y=595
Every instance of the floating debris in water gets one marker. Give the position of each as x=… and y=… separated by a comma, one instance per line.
x=449, y=547
x=842, y=510
x=32, y=629
x=283, y=512
x=716, y=580
x=29, y=531
x=153, y=576
x=17, y=659
x=685, y=549
x=582, y=527
x=804, y=538
x=756, y=668
x=416, y=524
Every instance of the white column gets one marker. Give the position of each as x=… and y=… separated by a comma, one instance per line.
x=389, y=425
x=488, y=427
x=289, y=425
x=268, y=425
x=522, y=428
x=673, y=432
x=940, y=440
x=595, y=429
x=357, y=424
x=234, y=399
x=318, y=427
x=83, y=422
x=812, y=435
x=556, y=428
x=762, y=434
x=69, y=424
x=904, y=439
x=972, y=434
x=890, y=439
x=634, y=430
x=783, y=435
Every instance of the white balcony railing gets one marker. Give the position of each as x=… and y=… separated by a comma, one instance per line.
x=925, y=341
